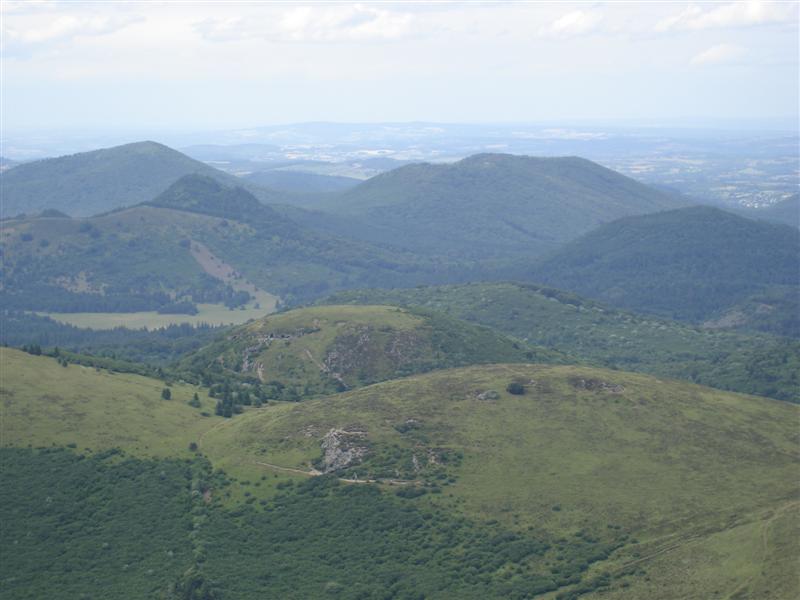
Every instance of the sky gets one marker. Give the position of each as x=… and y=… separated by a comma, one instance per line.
x=212, y=65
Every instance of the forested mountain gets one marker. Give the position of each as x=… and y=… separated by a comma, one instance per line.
x=93, y=182
x=590, y=332
x=486, y=206
x=198, y=241
x=693, y=264
x=468, y=474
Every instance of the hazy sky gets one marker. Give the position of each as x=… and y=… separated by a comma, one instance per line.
x=209, y=65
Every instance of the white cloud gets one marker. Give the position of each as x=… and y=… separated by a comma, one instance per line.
x=577, y=22
x=24, y=41
x=735, y=14
x=342, y=23
x=719, y=54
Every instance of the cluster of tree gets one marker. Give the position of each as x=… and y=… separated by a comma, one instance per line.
x=157, y=347
x=50, y=298
x=301, y=533
x=179, y=307
x=232, y=396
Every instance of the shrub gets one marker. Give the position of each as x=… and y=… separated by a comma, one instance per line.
x=515, y=388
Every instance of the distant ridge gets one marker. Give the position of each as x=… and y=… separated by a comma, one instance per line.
x=94, y=182
x=488, y=205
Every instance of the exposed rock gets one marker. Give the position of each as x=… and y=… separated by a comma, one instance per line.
x=596, y=385
x=415, y=462
x=342, y=449
x=732, y=318
x=488, y=395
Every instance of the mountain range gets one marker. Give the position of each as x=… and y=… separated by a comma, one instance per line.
x=565, y=222
x=404, y=424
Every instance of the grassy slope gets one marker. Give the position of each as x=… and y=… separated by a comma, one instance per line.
x=319, y=349
x=44, y=403
x=211, y=314
x=755, y=364
x=692, y=474
x=690, y=264
x=673, y=464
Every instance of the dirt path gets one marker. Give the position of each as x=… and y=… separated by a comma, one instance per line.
x=315, y=473
x=324, y=368
x=311, y=473
x=764, y=536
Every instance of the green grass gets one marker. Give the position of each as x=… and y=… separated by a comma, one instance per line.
x=663, y=489
x=662, y=461
x=46, y=404
x=210, y=314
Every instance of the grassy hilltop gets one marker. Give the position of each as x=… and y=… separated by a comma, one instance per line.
x=317, y=350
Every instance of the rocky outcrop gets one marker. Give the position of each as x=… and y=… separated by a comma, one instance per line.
x=596, y=385
x=342, y=448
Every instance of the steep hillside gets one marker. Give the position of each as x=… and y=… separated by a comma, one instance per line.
x=588, y=482
x=488, y=205
x=589, y=331
x=692, y=263
x=311, y=351
x=98, y=181
x=199, y=241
